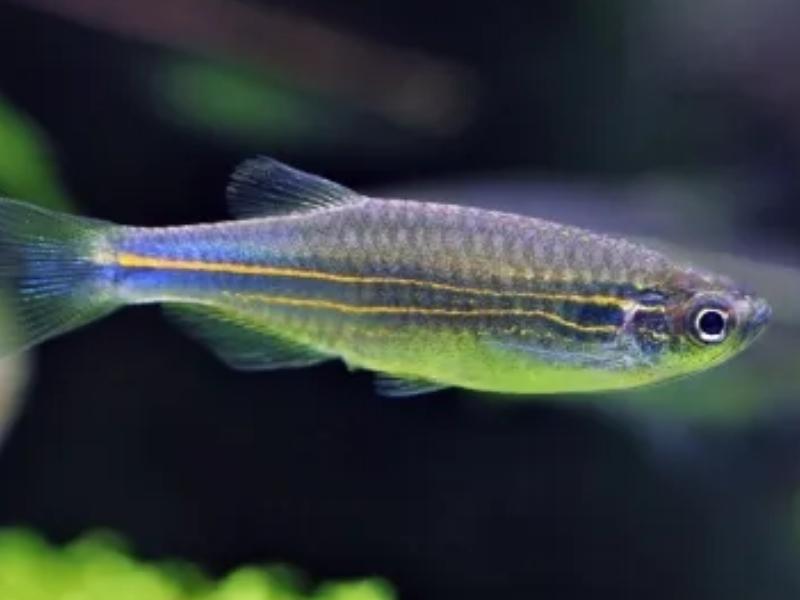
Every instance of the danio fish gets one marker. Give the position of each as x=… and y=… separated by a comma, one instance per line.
x=428, y=295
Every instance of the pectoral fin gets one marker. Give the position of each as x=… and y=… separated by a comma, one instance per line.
x=239, y=343
x=392, y=386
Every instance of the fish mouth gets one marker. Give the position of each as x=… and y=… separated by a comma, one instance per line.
x=760, y=315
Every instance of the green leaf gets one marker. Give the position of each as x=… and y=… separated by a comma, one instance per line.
x=27, y=170
x=240, y=104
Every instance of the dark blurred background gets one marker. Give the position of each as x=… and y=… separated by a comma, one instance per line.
x=674, y=121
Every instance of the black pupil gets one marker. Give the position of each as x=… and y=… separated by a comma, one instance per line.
x=712, y=323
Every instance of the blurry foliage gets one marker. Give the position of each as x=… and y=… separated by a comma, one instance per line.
x=13, y=373
x=401, y=85
x=97, y=567
x=26, y=166
x=241, y=104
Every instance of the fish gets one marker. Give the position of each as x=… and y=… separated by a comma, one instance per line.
x=427, y=295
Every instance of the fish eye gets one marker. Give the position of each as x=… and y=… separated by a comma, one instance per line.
x=710, y=325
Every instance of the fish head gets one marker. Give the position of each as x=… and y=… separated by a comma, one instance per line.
x=708, y=319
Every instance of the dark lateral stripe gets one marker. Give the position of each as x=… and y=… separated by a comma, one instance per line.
x=130, y=260
x=354, y=309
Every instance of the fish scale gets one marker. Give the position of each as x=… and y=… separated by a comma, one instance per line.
x=484, y=294
x=431, y=294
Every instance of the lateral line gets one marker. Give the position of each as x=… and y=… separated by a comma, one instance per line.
x=419, y=311
x=131, y=260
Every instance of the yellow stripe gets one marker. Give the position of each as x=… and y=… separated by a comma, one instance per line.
x=138, y=261
x=419, y=311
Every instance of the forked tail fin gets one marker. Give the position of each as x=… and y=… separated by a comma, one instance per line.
x=49, y=273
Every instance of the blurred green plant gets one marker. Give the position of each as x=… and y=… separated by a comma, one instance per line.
x=241, y=104
x=401, y=86
x=27, y=170
x=13, y=371
x=99, y=567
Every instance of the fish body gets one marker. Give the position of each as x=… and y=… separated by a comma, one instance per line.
x=432, y=295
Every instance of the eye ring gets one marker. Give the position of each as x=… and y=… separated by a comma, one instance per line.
x=710, y=325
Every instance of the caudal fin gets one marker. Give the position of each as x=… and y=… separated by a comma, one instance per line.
x=49, y=273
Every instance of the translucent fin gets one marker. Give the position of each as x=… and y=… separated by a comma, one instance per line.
x=47, y=270
x=241, y=344
x=263, y=187
x=392, y=386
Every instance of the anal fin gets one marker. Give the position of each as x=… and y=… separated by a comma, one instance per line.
x=240, y=343
x=392, y=386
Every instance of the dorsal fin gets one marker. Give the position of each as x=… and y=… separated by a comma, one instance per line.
x=262, y=187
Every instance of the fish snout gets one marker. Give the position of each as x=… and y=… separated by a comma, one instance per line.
x=757, y=317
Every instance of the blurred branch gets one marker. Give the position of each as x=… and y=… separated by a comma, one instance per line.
x=404, y=86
